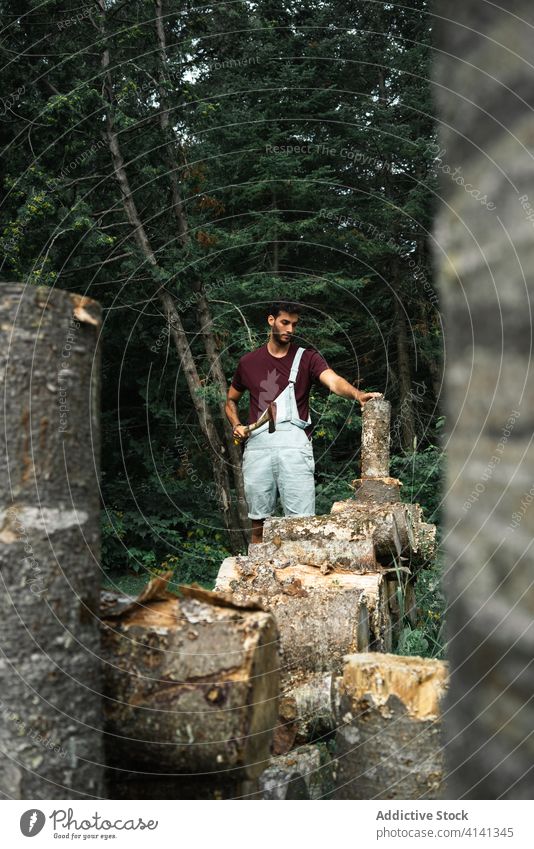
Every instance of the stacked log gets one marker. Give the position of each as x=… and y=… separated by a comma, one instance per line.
x=191, y=686
x=375, y=486
x=392, y=529
x=333, y=582
x=305, y=773
x=321, y=618
x=389, y=743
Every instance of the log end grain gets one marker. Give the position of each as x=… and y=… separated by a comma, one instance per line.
x=190, y=686
x=419, y=683
x=389, y=740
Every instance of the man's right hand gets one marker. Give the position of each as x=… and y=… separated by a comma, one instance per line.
x=240, y=433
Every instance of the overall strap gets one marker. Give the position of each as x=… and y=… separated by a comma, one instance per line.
x=295, y=366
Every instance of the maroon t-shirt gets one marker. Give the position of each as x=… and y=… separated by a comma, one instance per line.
x=266, y=376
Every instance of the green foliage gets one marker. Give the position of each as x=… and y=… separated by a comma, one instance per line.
x=328, y=489
x=427, y=637
x=199, y=560
x=302, y=158
x=413, y=642
x=421, y=475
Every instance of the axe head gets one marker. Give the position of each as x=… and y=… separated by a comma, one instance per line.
x=272, y=416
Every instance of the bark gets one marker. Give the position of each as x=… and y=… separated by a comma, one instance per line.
x=191, y=684
x=395, y=530
x=214, y=359
x=49, y=545
x=217, y=449
x=307, y=712
x=376, y=418
x=487, y=294
x=306, y=773
x=328, y=556
x=373, y=491
x=389, y=744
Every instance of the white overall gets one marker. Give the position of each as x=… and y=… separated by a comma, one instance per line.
x=281, y=462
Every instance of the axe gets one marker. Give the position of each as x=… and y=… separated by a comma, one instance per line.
x=268, y=416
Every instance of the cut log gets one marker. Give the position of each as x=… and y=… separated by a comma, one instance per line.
x=389, y=743
x=306, y=773
x=308, y=712
x=326, y=555
x=395, y=529
x=191, y=683
x=376, y=417
x=50, y=709
x=320, y=617
x=376, y=491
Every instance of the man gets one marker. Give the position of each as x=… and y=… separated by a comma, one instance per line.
x=282, y=461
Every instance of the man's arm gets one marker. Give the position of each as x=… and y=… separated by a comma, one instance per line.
x=339, y=386
x=232, y=414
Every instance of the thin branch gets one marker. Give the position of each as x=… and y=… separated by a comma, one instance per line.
x=253, y=341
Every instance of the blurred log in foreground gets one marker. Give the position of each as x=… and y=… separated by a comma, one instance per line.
x=191, y=685
x=485, y=253
x=388, y=744
x=50, y=711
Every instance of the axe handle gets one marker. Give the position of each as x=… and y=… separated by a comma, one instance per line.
x=269, y=415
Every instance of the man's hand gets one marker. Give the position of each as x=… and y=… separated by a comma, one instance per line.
x=364, y=397
x=240, y=433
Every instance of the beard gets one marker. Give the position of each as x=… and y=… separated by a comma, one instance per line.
x=281, y=337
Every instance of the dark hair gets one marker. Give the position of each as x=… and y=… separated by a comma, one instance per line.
x=284, y=306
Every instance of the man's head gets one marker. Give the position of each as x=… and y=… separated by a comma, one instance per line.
x=283, y=318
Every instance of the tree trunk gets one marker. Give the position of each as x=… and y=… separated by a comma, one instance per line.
x=240, y=515
x=217, y=450
x=306, y=773
x=389, y=743
x=485, y=253
x=406, y=416
x=50, y=545
x=191, y=684
x=307, y=712
x=214, y=360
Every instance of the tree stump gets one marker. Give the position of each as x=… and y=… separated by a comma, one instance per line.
x=49, y=545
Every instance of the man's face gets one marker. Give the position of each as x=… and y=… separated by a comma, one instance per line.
x=283, y=326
